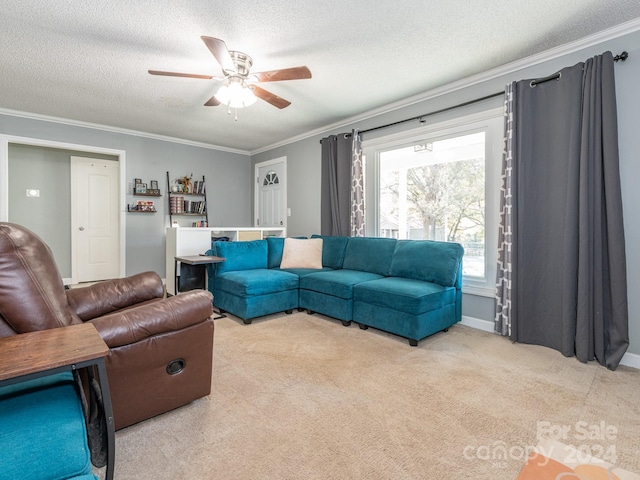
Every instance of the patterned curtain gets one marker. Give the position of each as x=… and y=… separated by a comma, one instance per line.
x=357, y=186
x=505, y=227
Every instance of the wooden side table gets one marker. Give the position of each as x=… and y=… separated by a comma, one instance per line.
x=199, y=262
x=36, y=354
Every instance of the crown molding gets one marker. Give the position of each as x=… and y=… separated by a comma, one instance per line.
x=123, y=131
x=507, y=69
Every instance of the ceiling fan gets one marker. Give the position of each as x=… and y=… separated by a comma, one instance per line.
x=240, y=89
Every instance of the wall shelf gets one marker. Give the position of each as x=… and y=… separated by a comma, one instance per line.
x=143, y=206
x=141, y=211
x=147, y=194
x=190, y=203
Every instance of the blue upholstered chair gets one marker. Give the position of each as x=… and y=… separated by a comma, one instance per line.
x=42, y=430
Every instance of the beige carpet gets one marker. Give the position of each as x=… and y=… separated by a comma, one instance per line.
x=302, y=397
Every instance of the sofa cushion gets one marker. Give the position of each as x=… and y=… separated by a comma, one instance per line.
x=404, y=294
x=369, y=254
x=43, y=432
x=276, y=246
x=255, y=282
x=299, y=253
x=241, y=255
x=333, y=249
x=427, y=260
x=338, y=283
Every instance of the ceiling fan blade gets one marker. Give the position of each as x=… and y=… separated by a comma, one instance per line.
x=293, y=73
x=212, y=102
x=221, y=53
x=178, y=74
x=269, y=97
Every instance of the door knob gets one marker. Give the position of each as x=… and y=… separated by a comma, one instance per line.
x=81, y=229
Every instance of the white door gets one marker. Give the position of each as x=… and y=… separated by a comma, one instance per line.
x=95, y=230
x=271, y=193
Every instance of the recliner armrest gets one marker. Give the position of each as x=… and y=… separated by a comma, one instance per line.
x=163, y=316
x=109, y=296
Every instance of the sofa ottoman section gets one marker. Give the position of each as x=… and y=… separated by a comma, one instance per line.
x=244, y=286
x=410, y=308
x=253, y=293
x=331, y=292
x=422, y=294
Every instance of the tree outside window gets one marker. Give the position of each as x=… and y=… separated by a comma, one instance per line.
x=436, y=191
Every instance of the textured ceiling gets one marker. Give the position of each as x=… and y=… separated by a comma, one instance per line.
x=88, y=60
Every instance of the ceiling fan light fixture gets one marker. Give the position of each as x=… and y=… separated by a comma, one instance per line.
x=236, y=94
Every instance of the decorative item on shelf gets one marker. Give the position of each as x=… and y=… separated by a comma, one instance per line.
x=177, y=205
x=198, y=187
x=141, y=189
x=187, y=185
x=146, y=206
x=143, y=206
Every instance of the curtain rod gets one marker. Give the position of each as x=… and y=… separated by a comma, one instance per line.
x=622, y=56
x=556, y=76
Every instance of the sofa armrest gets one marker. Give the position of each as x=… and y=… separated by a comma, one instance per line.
x=109, y=296
x=156, y=318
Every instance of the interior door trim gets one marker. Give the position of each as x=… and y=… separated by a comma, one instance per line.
x=256, y=188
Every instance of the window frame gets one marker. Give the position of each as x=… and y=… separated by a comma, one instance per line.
x=490, y=121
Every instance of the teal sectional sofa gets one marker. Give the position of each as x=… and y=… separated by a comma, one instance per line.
x=411, y=288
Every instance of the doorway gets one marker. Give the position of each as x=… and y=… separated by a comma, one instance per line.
x=57, y=228
x=271, y=193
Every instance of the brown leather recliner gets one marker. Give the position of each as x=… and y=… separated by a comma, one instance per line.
x=160, y=348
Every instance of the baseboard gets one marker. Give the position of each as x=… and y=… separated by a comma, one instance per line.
x=485, y=325
x=631, y=360
x=628, y=360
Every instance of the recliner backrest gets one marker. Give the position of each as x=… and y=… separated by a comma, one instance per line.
x=32, y=295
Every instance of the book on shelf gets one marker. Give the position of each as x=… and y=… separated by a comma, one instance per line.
x=198, y=187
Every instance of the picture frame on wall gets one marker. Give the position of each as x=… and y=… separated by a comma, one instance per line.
x=154, y=185
x=136, y=181
x=141, y=188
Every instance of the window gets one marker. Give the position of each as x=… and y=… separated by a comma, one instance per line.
x=271, y=178
x=441, y=183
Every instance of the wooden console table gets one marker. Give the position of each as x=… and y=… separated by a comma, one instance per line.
x=37, y=354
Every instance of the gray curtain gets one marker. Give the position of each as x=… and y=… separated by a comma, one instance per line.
x=335, y=206
x=569, y=287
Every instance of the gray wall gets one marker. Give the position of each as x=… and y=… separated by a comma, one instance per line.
x=228, y=176
x=303, y=157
